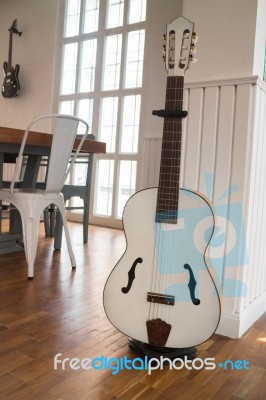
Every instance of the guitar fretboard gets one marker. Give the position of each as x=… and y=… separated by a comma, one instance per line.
x=168, y=192
x=9, y=64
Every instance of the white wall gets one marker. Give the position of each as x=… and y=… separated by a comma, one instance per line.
x=226, y=30
x=34, y=52
x=260, y=41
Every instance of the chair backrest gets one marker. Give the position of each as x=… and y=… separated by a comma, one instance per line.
x=64, y=130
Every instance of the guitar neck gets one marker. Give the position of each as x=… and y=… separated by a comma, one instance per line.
x=9, y=63
x=168, y=192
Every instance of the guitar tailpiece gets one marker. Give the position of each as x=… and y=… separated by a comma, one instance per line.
x=170, y=113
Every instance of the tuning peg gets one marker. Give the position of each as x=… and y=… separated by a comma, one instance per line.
x=194, y=38
x=192, y=59
x=164, y=37
x=164, y=52
x=192, y=49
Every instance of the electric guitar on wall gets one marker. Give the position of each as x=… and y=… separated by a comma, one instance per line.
x=11, y=86
x=162, y=292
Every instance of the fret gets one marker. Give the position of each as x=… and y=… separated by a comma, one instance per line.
x=169, y=204
x=167, y=197
x=174, y=143
x=170, y=183
x=171, y=155
x=169, y=135
x=167, y=208
x=172, y=160
x=169, y=193
x=170, y=169
x=168, y=189
x=175, y=121
x=171, y=144
x=167, y=180
x=170, y=150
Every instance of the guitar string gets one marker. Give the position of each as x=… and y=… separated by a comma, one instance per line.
x=161, y=210
x=167, y=201
x=166, y=204
x=172, y=147
x=179, y=143
x=159, y=240
x=153, y=269
x=174, y=144
x=180, y=128
x=170, y=202
x=174, y=93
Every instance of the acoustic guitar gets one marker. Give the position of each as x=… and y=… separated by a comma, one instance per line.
x=163, y=291
x=11, y=85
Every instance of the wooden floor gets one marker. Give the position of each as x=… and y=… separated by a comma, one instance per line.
x=61, y=311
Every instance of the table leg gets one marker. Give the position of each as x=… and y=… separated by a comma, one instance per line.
x=31, y=171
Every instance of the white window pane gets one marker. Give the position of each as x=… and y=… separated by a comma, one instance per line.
x=78, y=177
x=127, y=184
x=115, y=13
x=66, y=107
x=72, y=18
x=137, y=11
x=69, y=68
x=91, y=16
x=104, y=188
x=109, y=122
x=85, y=109
x=112, y=62
x=130, y=124
x=134, y=61
x=88, y=62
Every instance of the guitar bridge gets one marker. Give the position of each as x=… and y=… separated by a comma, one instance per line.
x=161, y=298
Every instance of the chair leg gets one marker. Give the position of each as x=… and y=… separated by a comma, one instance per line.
x=58, y=231
x=30, y=226
x=85, y=220
x=61, y=207
x=46, y=222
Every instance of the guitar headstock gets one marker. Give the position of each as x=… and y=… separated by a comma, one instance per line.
x=179, y=47
x=14, y=29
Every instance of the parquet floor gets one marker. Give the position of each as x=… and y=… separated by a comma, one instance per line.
x=61, y=311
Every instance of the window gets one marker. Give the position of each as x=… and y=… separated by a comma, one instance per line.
x=101, y=81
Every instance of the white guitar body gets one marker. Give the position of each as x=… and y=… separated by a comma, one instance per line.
x=160, y=252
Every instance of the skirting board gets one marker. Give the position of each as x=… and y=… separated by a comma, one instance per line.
x=235, y=325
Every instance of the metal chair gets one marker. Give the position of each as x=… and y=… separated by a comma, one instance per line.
x=52, y=219
x=31, y=202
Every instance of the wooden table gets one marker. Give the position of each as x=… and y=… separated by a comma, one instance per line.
x=38, y=144
x=10, y=136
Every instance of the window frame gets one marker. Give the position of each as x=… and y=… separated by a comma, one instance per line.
x=99, y=93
